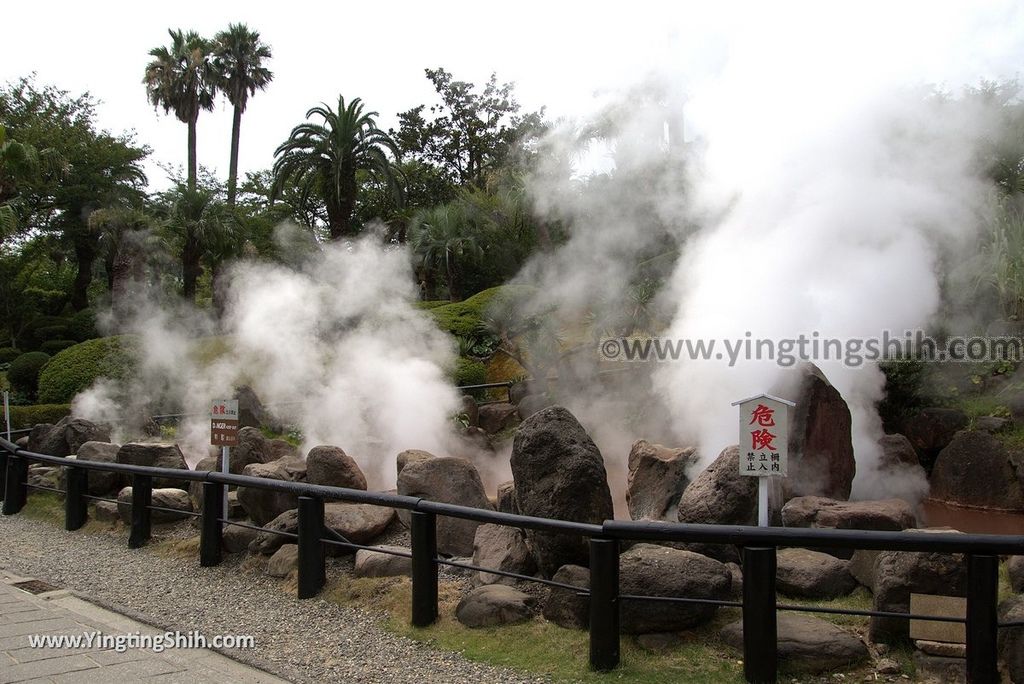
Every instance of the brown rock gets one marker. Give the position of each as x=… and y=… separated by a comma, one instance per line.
x=559, y=473
x=263, y=505
x=657, y=477
x=332, y=467
x=821, y=459
x=497, y=417
x=565, y=607
x=807, y=644
x=977, y=470
x=814, y=511
x=502, y=548
x=446, y=480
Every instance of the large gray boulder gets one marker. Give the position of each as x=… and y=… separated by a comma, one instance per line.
x=101, y=482
x=720, y=495
x=1015, y=570
x=658, y=476
x=566, y=607
x=806, y=644
x=559, y=473
x=378, y=564
x=494, y=418
x=408, y=456
x=236, y=539
x=898, y=574
x=811, y=574
x=358, y=523
x=649, y=570
x=67, y=435
x=446, y=480
x=506, y=498
x=331, y=466
x=978, y=470
x=177, y=501
x=821, y=459
x=284, y=561
x=502, y=548
x=37, y=436
x=495, y=604
x=1011, y=639
x=263, y=505
x=155, y=455
x=252, y=447
x=931, y=430
x=891, y=515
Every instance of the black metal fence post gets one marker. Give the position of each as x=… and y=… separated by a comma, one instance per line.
x=760, y=629
x=210, y=534
x=15, y=488
x=76, y=510
x=423, y=531
x=312, y=571
x=604, y=604
x=982, y=618
x=142, y=497
x=3, y=473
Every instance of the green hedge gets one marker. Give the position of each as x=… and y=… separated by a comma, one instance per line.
x=77, y=368
x=43, y=328
x=51, y=347
x=29, y=416
x=83, y=325
x=8, y=354
x=469, y=372
x=463, y=319
x=24, y=372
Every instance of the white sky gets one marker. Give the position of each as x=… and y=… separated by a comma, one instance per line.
x=558, y=53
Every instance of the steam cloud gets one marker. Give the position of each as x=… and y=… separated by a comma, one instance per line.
x=816, y=187
x=335, y=345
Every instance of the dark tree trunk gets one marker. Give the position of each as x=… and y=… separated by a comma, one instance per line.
x=236, y=130
x=190, y=266
x=192, y=163
x=219, y=287
x=85, y=255
x=335, y=223
x=454, y=290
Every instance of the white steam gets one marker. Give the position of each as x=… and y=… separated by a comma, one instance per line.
x=335, y=347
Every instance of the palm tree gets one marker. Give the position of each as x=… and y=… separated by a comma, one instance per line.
x=441, y=237
x=201, y=220
x=180, y=78
x=324, y=157
x=238, y=62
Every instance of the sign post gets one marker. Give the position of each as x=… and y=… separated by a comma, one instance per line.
x=764, y=438
x=7, y=413
x=224, y=433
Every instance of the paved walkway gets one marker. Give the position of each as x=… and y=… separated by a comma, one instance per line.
x=62, y=613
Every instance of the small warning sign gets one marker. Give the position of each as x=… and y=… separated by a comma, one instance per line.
x=224, y=423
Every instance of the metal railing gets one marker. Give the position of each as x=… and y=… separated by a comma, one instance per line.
x=758, y=546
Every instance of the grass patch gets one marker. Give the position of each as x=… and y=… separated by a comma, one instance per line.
x=860, y=599
x=42, y=505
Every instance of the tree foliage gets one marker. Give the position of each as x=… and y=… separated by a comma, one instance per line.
x=323, y=158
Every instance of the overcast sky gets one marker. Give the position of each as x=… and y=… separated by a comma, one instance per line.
x=559, y=53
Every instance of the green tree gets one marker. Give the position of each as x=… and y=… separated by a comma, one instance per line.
x=88, y=169
x=324, y=158
x=181, y=79
x=239, y=58
x=468, y=133
x=197, y=220
x=442, y=237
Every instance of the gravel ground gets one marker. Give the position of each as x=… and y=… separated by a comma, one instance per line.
x=303, y=641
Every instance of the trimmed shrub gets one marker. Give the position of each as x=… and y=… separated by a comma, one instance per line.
x=78, y=367
x=83, y=325
x=41, y=329
x=463, y=319
x=24, y=372
x=469, y=372
x=29, y=416
x=8, y=354
x=51, y=347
